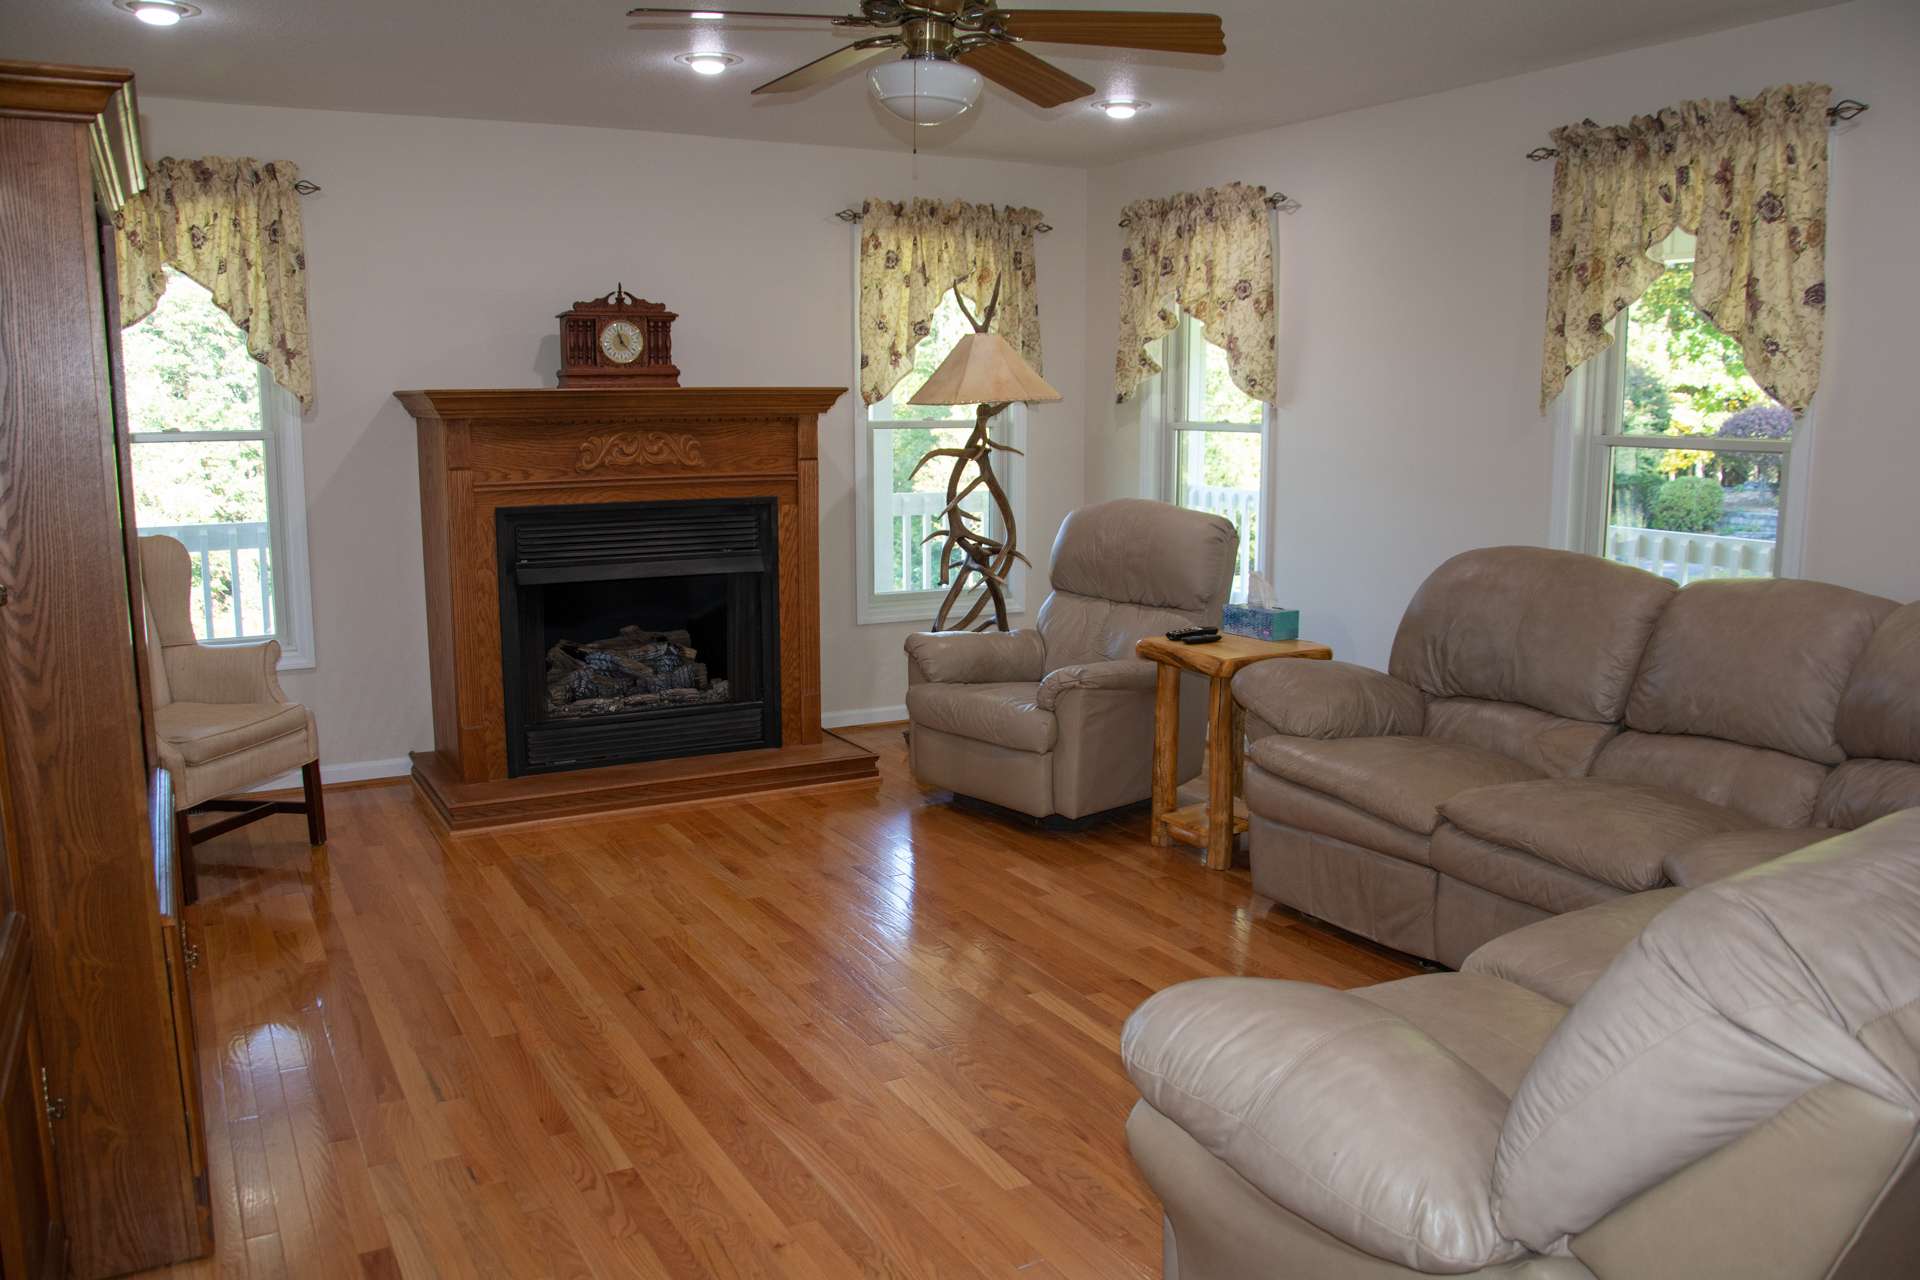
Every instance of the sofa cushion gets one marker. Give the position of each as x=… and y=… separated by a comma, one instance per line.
x=1880, y=710
x=1771, y=787
x=1555, y=745
x=1401, y=779
x=206, y=731
x=1717, y=857
x=1496, y=1027
x=1555, y=630
x=1755, y=660
x=1863, y=791
x=1514, y=874
x=1614, y=832
x=1733, y=1003
x=1281, y=801
x=1560, y=958
x=1007, y=715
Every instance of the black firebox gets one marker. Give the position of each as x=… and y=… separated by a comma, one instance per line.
x=637, y=631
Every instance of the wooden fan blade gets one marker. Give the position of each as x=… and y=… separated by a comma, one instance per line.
x=650, y=12
x=1039, y=82
x=1162, y=32
x=837, y=63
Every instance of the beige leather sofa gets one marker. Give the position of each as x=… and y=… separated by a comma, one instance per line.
x=1555, y=731
x=1057, y=720
x=1734, y=1091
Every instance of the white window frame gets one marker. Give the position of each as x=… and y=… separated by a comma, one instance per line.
x=873, y=522
x=279, y=434
x=1164, y=419
x=1587, y=427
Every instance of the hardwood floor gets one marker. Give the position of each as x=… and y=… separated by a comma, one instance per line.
x=846, y=1033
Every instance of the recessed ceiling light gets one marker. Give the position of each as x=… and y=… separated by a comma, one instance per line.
x=158, y=13
x=1121, y=108
x=706, y=62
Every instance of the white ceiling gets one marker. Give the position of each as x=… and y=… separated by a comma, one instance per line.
x=585, y=62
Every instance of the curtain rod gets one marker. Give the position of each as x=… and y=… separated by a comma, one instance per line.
x=853, y=215
x=1845, y=109
x=1279, y=201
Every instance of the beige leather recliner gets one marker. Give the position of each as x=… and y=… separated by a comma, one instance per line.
x=1736, y=1094
x=1058, y=719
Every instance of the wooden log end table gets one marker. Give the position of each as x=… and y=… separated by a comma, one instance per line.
x=1213, y=824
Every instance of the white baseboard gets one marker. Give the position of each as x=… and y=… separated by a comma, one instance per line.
x=865, y=715
x=343, y=771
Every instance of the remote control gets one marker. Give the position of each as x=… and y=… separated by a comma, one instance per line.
x=1185, y=634
x=1210, y=637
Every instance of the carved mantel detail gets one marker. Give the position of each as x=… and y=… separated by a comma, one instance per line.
x=622, y=447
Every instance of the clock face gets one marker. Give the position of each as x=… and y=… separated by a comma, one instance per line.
x=622, y=342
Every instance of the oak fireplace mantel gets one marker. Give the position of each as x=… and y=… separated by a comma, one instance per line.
x=490, y=459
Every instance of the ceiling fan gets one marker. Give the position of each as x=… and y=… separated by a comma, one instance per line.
x=936, y=51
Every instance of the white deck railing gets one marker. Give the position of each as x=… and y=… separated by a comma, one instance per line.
x=236, y=557
x=914, y=517
x=1242, y=507
x=1686, y=557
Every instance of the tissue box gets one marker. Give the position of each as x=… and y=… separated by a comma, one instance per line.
x=1260, y=622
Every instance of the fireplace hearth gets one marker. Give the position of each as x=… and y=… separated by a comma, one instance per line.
x=637, y=631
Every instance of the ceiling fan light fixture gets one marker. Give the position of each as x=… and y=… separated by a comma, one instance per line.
x=707, y=62
x=925, y=91
x=158, y=13
x=1121, y=108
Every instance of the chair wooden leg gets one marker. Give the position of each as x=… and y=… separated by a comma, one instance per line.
x=183, y=855
x=316, y=803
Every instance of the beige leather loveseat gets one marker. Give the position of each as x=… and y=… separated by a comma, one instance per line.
x=1555, y=731
x=1734, y=1091
x=1057, y=720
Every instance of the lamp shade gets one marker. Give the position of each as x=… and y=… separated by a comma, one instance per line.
x=983, y=368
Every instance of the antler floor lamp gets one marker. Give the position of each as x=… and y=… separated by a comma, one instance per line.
x=982, y=369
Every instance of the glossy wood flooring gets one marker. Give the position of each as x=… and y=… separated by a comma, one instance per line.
x=842, y=1034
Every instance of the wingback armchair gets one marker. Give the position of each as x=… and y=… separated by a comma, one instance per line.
x=221, y=721
x=1057, y=720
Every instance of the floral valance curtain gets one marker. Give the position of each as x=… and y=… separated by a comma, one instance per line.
x=1748, y=177
x=912, y=253
x=1207, y=253
x=233, y=226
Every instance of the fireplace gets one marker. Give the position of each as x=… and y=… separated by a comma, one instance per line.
x=622, y=598
x=637, y=631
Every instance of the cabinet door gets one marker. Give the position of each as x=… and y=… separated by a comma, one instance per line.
x=32, y=1244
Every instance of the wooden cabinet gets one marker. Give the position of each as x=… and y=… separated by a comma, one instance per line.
x=83, y=915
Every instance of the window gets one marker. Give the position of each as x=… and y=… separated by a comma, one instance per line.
x=1680, y=463
x=899, y=567
x=1214, y=439
x=216, y=464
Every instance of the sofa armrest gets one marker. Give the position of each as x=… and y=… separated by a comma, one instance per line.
x=1133, y=674
x=1330, y=700
x=1339, y=1111
x=224, y=672
x=977, y=657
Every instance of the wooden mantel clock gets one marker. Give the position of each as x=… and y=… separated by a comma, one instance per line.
x=617, y=341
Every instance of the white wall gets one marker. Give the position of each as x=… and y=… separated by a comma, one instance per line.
x=440, y=252
x=1413, y=286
